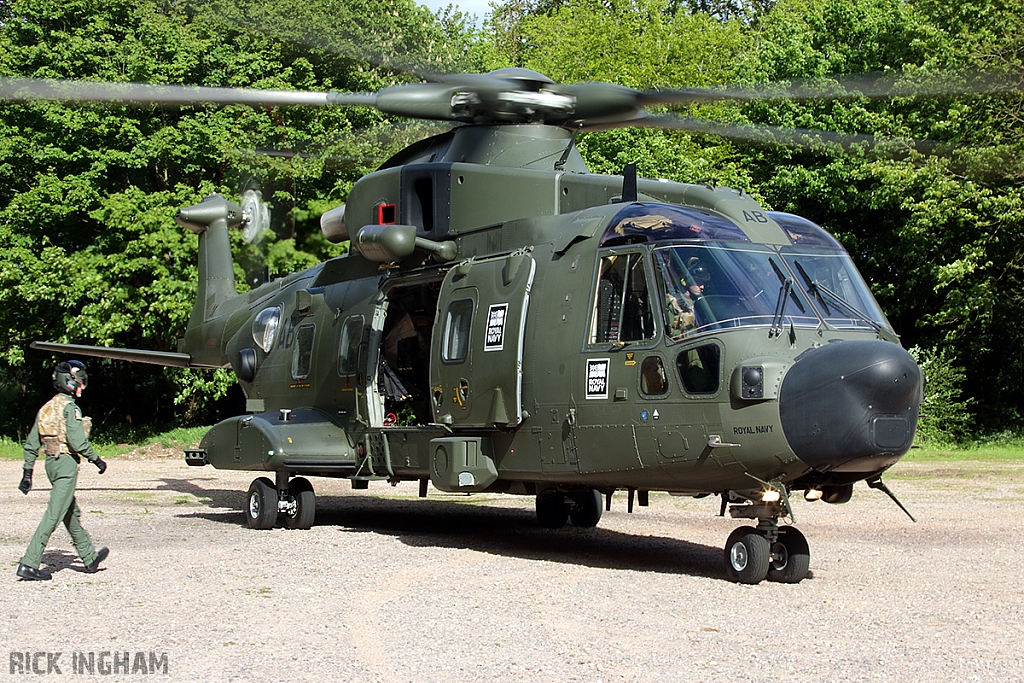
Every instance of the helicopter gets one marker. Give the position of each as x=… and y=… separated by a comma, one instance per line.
x=508, y=321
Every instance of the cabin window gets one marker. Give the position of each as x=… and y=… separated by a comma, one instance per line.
x=653, y=380
x=699, y=368
x=302, y=354
x=348, y=351
x=264, y=327
x=622, y=305
x=456, y=331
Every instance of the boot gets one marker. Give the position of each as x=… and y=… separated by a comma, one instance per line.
x=94, y=566
x=32, y=574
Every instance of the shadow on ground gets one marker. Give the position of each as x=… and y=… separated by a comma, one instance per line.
x=58, y=560
x=482, y=528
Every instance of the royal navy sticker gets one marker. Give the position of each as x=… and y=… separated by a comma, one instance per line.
x=597, y=377
x=494, y=339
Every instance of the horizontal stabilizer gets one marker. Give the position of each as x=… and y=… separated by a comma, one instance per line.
x=174, y=360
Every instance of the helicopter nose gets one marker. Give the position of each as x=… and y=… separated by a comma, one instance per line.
x=851, y=406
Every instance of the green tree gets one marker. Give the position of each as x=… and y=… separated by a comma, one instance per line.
x=89, y=252
x=936, y=237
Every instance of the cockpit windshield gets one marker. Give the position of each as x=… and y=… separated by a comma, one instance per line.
x=656, y=222
x=824, y=270
x=712, y=276
x=711, y=286
x=840, y=293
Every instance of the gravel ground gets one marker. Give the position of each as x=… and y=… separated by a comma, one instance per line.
x=386, y=587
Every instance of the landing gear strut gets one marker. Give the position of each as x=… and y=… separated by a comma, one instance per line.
x=753, y=554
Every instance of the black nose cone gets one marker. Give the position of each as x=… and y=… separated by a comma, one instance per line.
x=851, y=406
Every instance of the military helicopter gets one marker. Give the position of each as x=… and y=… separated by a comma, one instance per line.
x=507, y=321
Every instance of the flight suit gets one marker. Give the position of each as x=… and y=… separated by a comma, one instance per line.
x=62, y=432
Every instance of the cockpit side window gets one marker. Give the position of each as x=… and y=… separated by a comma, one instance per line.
x=622, y=303
x=699, y=368
x=302, y=353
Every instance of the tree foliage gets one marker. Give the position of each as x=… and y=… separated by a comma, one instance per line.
x=89, y=252
x=937, y=237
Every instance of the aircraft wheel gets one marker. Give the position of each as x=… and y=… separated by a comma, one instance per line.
x=261, y=504
x=301, y=491
x=746, y=555
x=586, y=508
x=790, y=557
x=552, y=511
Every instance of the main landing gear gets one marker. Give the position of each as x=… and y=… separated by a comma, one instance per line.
x=293, y=499
x=582, y=506
x=766, y=551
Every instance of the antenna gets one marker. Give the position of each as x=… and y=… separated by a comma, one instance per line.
x=629, y=183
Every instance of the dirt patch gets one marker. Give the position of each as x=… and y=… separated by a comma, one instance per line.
x=388, y=587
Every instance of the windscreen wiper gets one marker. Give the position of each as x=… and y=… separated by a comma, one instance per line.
x=812, y=287
x=822, y=292
x=785, y=292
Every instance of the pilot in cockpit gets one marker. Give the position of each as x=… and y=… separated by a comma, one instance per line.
x=683, y=290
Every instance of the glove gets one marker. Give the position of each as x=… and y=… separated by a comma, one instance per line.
x=100, y=465
x=26, y=482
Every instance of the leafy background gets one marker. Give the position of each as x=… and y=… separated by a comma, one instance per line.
x=89, y=252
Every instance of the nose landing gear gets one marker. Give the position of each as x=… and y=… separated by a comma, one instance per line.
x=753, y=554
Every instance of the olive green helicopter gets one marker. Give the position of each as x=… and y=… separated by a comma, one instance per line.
x=507, y=321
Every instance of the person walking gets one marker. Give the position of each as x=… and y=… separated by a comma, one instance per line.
x=63, y=434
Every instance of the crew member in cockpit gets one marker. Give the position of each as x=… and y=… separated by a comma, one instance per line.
x=681, y=295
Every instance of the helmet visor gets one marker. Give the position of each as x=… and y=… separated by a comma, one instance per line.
x=80, y=376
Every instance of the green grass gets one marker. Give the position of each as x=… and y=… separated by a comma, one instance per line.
x=180, y=437
x=998, y=448
x=9, y=449
x=984, y=452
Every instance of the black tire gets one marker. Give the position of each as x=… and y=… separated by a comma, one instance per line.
x=746, y=556
x=552, y=510
x=586, y=508
x=261, y=504
x=790, y=557
x=301, y=492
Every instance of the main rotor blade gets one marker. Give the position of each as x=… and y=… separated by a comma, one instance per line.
x=871, y=86
x=800, y=138
x=30, y=89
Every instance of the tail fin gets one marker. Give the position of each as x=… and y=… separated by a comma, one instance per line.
x=210, y=219
x=204, y=343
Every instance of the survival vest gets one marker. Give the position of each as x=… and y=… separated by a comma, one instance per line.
x=53, y=429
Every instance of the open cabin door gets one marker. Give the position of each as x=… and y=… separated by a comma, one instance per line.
x=476, y=350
